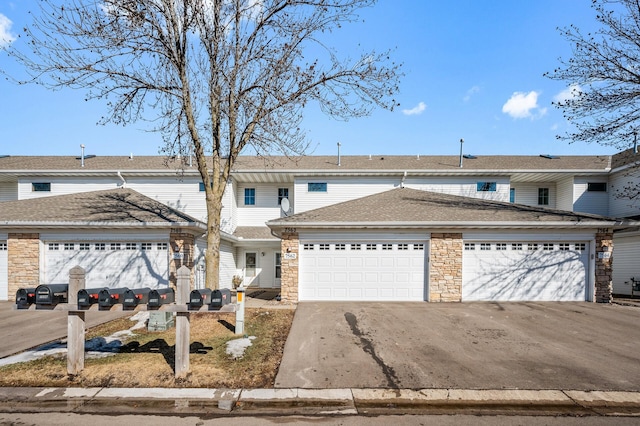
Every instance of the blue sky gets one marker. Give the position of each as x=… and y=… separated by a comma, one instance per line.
x=473, y=70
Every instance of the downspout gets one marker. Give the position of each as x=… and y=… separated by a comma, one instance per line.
x=124, y=182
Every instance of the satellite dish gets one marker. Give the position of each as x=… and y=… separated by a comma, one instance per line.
x=284, y=204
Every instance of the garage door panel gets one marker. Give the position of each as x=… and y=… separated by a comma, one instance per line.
x=526, y=275
x=391, y=271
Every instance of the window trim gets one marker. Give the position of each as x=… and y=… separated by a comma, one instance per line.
x=486, y=186
x=281, y=194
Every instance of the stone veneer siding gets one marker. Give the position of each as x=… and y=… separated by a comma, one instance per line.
x=604, y=283
x=23, y=258
x=184, y=244
x=289, y=277
x=445, y=268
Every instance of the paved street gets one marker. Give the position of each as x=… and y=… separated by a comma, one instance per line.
x=578, y=346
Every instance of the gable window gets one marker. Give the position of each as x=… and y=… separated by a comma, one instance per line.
x=249, y=196
x=41, y=186
x=597, y=186
x=543, y=196
x=317, y=187
x=282, y=193
x=486, y=186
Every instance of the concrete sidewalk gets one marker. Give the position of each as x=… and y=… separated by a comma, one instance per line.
x=338, y=402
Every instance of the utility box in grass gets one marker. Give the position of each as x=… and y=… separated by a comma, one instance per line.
x=160, y=321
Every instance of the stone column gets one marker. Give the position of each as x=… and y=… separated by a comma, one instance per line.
x=181, y=252
x=23, y=261
x=445, y=268
x=289, y=262
x=604, y=260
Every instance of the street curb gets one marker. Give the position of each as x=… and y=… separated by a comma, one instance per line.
x=338, y=402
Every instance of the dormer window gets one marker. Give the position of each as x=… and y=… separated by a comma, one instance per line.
x=41, y=186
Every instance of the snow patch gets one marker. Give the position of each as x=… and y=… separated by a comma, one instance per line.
x=236, y=347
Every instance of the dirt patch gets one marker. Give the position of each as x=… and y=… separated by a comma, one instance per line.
x=146, y=359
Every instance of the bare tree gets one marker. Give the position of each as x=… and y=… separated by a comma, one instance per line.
x=214, y=76
x=603, y=76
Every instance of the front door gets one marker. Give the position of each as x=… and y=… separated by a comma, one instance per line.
x=250, y=268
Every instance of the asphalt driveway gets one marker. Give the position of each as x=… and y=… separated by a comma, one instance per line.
x=580, y=346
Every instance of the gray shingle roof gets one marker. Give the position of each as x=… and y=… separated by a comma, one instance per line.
x=254, y=233
x=311, y=163
x=116, y=206
x=403, y=206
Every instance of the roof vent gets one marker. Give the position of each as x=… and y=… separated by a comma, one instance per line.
x=470, y=157
x=549, y=156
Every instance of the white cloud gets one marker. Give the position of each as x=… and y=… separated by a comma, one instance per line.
x=568, y=93
x=524, y=105
x=417, y=110
x=470, y=93
x=6, y=37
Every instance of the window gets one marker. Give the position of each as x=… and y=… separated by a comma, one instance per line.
x=581, y=246
x=249, y=196
x=317, y=187
x=418, y=246
x=115, y=246
x=130, y=246
x=282, y=193
x=308, y=247
x=84, y=246
x=278, y=265
x=161, y=246
x=543, y=196
x=341, y=247
x=41, y=187
x=563, y=246
x=145, y=246
x=387, y=246
x=486, y=187
x=356, y=247
x=485, y=246
x=54, y=246
x=547, y=246
x=516, y=246
x=403, y=247
x=469, y=246
x=69, y=246
x=250, y=263
x=532, y=246
x=501, y=246
x=324, y=246
x=372, y=246
x=512, y=195
x=3, y=246
x=597, y=186
x=100, y=246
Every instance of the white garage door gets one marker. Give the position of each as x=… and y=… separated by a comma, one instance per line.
x=4, y=272
x=525, y=271
x=108, y=264
x=374, y=271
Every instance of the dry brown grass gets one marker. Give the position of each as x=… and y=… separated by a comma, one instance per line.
x=147, y=358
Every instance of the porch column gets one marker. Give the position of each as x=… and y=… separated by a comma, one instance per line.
x=445, y=268
x=289, y=259
x=23, y=262
x=604, y=260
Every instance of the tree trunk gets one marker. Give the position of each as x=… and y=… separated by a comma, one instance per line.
x=212, y=255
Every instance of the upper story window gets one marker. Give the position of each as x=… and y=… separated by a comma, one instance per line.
x=282, y=193
x=512, y=195
x=317, y=187
x=249, y=196
x=486, y=186
x=597, y=186
x=41, y=186
x=543, y=196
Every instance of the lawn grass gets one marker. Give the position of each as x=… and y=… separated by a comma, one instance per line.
x=146, y=359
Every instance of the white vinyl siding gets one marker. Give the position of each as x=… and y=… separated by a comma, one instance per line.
x=4, y=270
x=228, y=267
x=338, y=190
x=228, y=224
x=527, y=193
x=595, y=202
x=626, y=256
x=564, y=198
x=466, y=187
x=8, y=191
x=620, y=206
x=266, y=204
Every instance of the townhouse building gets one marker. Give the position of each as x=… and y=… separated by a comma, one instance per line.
x=414, y=228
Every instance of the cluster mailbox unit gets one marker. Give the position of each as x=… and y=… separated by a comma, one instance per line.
x=89, y=296
x=206, y=296
x=51, y=294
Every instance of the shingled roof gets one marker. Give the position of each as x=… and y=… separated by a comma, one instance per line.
x=404, y=207
x=115, y=208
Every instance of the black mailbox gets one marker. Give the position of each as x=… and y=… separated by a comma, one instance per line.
x=51, y=294
x=161, y=296
x=25, y=297
x=134, y=296
x=89, y=296
x=220, y=297
x=107, y=297
x=199, y=298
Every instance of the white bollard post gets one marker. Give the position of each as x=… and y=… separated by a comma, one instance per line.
x=75, y=323
x=240, y=311
x=183, y=325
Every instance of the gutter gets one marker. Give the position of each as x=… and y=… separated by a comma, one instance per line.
x=108, y=225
